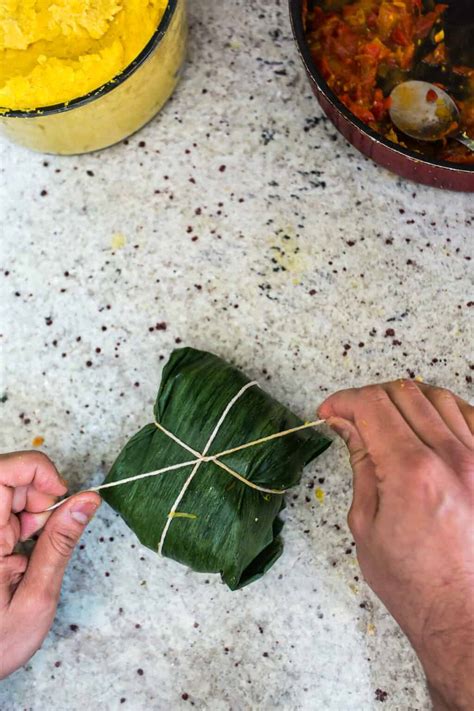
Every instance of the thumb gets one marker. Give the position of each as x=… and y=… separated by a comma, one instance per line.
x=55, y=545
x=365, y=494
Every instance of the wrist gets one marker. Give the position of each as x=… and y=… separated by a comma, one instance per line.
x=439, y=703
x=447, y=695
x=447, y=657
x=445, y=646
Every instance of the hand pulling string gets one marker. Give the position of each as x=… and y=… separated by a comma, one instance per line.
x=203, y=457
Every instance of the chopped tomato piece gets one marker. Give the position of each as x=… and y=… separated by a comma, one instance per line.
x=400, y=36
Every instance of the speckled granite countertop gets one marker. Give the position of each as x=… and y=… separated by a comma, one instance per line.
x=242, y=221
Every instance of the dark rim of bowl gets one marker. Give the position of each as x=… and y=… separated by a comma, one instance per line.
x=296, y=14
x=112, y=84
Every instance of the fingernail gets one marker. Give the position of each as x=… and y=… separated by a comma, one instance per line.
x=83, y=511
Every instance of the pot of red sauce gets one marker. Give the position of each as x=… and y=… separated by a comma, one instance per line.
x=423, y=163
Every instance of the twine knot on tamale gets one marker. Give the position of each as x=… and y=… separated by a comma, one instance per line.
x=215, y=458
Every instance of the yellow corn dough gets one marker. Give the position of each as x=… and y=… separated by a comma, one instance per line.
x=55, y=51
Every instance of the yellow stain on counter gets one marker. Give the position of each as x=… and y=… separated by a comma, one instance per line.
x=286, y=253
x=319, y=495
x=37, y=441
x=286, y=257
x=371, y=629
x=118, y=241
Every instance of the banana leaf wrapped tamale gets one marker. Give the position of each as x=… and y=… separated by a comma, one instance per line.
x=214, y=516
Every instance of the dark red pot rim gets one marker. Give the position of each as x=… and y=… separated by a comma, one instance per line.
x=441, y=166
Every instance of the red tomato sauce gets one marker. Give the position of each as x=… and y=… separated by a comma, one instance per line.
x=365, y=47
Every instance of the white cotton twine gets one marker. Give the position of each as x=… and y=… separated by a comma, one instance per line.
x=199, y=459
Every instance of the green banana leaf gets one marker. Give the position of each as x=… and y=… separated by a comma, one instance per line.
x=221, y=524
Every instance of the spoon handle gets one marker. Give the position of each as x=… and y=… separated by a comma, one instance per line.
x=465, y=140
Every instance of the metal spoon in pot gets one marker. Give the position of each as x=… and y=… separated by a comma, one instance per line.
x=426, y=112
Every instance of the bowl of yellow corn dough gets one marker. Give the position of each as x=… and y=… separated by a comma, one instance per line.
x=80, y=75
